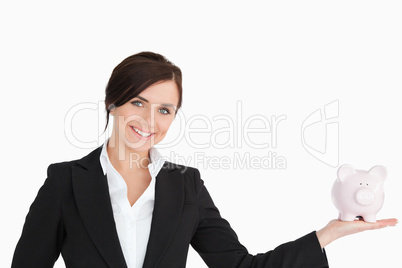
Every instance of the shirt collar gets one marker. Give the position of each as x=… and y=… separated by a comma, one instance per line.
x=155, y=158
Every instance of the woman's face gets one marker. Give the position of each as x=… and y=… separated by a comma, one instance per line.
x=144, y=121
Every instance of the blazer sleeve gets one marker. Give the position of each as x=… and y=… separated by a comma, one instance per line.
x=219, y=247
x=42, y=233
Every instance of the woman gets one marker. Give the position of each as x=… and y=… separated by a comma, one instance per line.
x=123, y=206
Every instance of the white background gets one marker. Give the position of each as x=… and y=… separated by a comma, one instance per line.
x=278, y=58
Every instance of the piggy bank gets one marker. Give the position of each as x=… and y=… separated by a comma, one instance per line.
x=359, y=193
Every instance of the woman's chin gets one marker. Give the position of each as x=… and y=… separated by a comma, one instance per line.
x=140, y=145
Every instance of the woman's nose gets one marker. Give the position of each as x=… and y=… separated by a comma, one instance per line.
x=149, y=120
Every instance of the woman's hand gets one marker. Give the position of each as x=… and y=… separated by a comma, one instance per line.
x=336, y=229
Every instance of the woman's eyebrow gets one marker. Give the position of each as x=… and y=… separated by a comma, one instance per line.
x=164, y=104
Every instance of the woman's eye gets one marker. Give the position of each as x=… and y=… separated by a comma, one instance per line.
x=137, y=103
x=164, y=111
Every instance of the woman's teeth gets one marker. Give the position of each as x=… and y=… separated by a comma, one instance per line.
x=142, y=133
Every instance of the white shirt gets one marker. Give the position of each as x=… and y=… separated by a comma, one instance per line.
x=133, y=224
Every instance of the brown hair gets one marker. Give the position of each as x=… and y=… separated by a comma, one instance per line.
x=136, y=73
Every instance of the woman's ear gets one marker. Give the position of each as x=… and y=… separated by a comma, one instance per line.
x=111, y=109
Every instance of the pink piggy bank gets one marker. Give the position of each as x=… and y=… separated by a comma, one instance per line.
x=359, y=193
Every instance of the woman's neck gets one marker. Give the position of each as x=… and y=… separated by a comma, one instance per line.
x=126, y=159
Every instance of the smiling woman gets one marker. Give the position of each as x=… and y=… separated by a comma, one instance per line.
x=102, y=211
x=144, y=121
x=135, y=74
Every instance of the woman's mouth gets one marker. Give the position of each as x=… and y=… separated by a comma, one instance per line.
x=141, y=134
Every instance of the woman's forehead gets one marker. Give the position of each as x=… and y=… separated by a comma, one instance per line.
x=164, y=92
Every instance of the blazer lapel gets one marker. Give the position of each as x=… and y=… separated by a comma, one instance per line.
x=93, y=201
x=169, y=201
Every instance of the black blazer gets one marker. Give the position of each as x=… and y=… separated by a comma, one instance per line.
x=72, y=215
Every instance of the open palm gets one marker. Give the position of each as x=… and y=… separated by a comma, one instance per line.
x=336, y=228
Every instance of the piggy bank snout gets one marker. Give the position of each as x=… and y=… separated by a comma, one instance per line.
x=365, y=197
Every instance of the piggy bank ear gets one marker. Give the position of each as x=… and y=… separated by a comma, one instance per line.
x=344, y=171
x=379, y=171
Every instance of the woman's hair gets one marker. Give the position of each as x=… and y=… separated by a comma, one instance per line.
x=136, y=73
